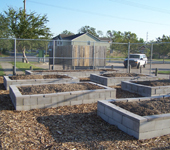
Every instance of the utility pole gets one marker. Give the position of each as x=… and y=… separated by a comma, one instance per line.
x=146, y=37
x=24, y=5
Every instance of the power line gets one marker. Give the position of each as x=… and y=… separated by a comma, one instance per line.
x=142, y=6
x=98, y=14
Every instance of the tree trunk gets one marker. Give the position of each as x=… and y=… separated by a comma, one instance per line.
x=163, y=60
x=24, y=56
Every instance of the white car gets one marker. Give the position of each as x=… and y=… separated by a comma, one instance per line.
x=136, y=60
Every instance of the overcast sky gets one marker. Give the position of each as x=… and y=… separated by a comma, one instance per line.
x=140, y=17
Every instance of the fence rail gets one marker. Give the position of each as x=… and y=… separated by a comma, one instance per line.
x=87, y=54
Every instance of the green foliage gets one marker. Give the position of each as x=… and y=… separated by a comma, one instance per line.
x=126, y=37
x=162, y=49
x=67, y=32
x=23, y=25
x=26, y=26
x=4, y=30
x=88, y=29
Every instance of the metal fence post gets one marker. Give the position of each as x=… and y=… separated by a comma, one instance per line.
x=128, y=58
x=14, y=71
x=140, y=69
x=53, y=54
x=151, y=58
x=129, y=71
x=156, y=72
x=93, y=55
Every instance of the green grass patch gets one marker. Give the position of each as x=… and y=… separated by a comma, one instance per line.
x=4, y=55
x=26, y=66
x=164, y=72
x=161, y=60
x=1, y=71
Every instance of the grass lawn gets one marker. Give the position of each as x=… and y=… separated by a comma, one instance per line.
x=161, y=60
x=3, y=55
x=24, y=66
x=163, y=72
x=1, y=71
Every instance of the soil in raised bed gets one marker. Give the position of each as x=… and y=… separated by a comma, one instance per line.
x=148, y=107
x=122, y=75
x=68, y=127
x=154, y=82
x=82, y=70
x=22, y=77
x=55, y=88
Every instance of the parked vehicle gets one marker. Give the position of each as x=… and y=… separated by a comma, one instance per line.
x=136, y=60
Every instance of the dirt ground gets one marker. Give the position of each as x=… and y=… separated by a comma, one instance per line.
x=55, y=88
x=66, y=128
x=83, y=70
x=154, y=82
x=22, y=77
x=146, y=108
x=122, y=75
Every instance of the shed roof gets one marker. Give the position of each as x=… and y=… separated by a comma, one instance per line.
x=73, y=36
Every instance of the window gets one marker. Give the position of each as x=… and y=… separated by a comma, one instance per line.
x=59, y=43
x=88, y=43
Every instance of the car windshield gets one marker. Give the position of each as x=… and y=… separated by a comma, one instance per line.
x=134, y=56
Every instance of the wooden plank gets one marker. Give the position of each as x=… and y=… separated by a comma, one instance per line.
x=86, y=55
x=81, y=55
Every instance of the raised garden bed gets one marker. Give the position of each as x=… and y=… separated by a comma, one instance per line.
x=140, y=122
x=71, y=73
x=109, y=79
x=64, y=94
x=35, y=79
x=147, y=88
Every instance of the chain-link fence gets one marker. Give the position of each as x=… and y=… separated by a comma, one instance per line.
x=72, y=54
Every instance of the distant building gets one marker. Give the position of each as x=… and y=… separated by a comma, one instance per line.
x=84, y=50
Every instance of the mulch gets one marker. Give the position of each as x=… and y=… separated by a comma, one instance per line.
x=65, y=128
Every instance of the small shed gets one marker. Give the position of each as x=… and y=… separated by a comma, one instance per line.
x=79, y=50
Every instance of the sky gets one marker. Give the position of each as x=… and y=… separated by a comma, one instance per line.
x=148, y=19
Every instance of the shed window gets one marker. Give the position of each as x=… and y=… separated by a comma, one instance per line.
x=88, y=43
x=59, y=43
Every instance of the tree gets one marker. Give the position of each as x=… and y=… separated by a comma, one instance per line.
x=88, y=29
x=119, y=37
x=26, y=26
x=100, y=33
x=162, y=49
x=67, y=32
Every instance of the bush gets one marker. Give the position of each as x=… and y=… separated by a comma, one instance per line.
x=155, y=56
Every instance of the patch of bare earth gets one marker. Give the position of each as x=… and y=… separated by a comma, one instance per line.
x=154, y=83
x=55, y=88
x=146, y=108
x=65, y=128
x=84, y=70
x=122, y=75
x=22, y=77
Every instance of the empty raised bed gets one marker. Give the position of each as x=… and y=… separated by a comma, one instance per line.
x=109, y=79
x=80, y=93
x=34, y=79
x=147, y=88
x=71, y=73
x=141, y=127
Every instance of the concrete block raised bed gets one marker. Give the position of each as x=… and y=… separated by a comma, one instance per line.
x=109, y=81
x=75, y=73
x=141, y=127
x=27, y=102
x=144, y=90
x=8, y=81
